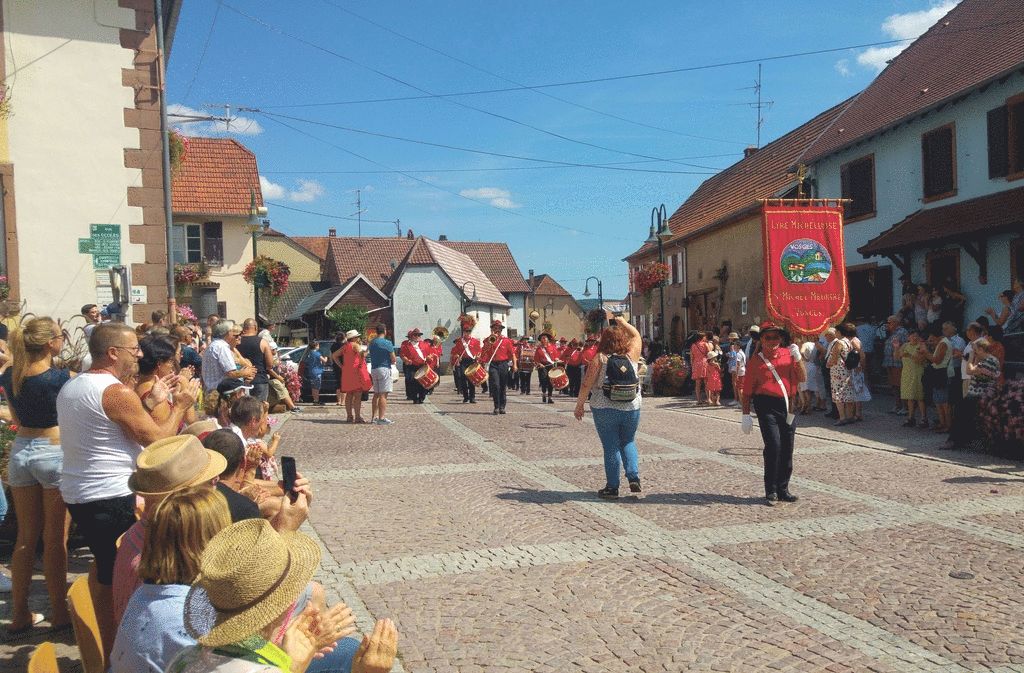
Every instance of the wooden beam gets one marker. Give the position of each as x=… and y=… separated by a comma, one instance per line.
x=902, y=262
x=979, y=252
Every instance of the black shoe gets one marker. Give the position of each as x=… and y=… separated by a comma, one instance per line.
x=634, y=486
x=550, y=401
x=770, y=499
x=608, y=493
x=494, y=413
x=786, y=496
x=501, y=411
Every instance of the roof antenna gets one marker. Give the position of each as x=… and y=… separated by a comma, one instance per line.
x=760, y=105
x=359, y=213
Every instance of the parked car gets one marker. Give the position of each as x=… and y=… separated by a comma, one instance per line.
x=329, y=382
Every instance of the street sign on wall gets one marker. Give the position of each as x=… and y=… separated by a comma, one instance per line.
x=106, y=245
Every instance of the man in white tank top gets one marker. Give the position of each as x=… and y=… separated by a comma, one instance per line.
x=103, y=429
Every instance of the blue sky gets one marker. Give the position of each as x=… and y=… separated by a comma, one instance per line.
x=296, y=59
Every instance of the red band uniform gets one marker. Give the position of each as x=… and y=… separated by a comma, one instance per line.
x=414, y=356
x=500, y=352
x=525, y=353
x=464, y=353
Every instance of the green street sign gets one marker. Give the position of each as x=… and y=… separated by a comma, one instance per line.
x=104, y=244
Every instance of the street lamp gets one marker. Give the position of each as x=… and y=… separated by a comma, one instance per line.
x=473, y=299
x=600, y=297
x=255, y=226
x=659, y=232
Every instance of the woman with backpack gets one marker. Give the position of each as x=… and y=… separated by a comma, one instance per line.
x=615, y=403
x=842, y=360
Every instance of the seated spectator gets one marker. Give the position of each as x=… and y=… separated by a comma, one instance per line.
x=158, y=377
x=249, y=416
x=223, y=397
x=153, y=629
x=250, y=559
x=31, y=385
x=278, y=389
x=219, y=357
x=103, y=428
x=164, y=467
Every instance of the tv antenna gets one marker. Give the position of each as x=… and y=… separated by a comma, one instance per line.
x=358, y=203
x=760, y=105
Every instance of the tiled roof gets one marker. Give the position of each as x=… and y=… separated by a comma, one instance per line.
x=315, y=301
x=735, y=190
x=372, y=257
x=315, y=244
x=546, y=285
x=1003, y=211
x=459, y=268
x=217, y=176
x=976, y=42
x=496, y=261
x=286, y=303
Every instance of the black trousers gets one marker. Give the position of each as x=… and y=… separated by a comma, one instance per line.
x=413, y=390
x=524, y=380
x=965, y=422
x=101, y=522
x=467, y=389
x=545, y=381
x=497, y=377
x=778, y=442
x=575, y=373
x=410, y=382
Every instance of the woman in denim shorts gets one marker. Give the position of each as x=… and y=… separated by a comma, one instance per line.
x=31, y=385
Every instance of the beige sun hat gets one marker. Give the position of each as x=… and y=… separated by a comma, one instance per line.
x=351, y=334
x=174, y=463
x=249, y=574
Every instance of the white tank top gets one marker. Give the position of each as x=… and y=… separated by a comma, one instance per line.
x=98, y=456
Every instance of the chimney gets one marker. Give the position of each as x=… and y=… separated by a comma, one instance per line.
x=749, y=151
x=531, y=279
x=409, y=235
x=332, y=232
x=442, y=237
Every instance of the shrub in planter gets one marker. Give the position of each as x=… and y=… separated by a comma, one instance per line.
x=1001, y=418
x=669, y=375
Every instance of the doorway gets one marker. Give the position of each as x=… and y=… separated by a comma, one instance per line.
x=870, y=292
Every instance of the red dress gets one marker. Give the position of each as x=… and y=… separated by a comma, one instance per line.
x=714, y=377
x=354, y=375
x=699, y=360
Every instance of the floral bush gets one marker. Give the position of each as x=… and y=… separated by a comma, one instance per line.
x=186, y=313
x=1001, y=418
x=5, y=288
x=264, y=273
x=651, y=276
x=669, y=374
x=290, y=371
x=186, y=274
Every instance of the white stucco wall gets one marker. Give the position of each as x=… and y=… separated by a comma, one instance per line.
x=424, y=297
x=237, y=254
x=899, y=188
x=66, y=141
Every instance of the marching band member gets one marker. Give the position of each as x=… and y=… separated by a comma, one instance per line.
x=433, y=350
x=524, y=355
x=407, y=372
x=464, y=353
x=500, y=352
x=544, y=358
x=413, y=356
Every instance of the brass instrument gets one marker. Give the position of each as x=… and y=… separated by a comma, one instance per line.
x=492, y=339
x=441, y=331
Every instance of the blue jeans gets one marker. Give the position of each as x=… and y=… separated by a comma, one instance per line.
x=617, y=430
x=338, y=661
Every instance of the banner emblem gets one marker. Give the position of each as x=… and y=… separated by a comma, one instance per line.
x=805, y=270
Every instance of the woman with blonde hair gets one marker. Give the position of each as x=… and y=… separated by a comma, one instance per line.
x=152, y=631
x=31, y=385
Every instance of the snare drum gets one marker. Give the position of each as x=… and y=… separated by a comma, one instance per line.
x=476, y=374
x=558, y=377
x=426, y=377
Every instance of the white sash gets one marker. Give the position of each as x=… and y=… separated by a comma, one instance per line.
x=785, y=396
x=466, y=351
x=416, y=347
x=547, y=356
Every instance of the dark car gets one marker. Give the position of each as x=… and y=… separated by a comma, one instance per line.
x=329, y=382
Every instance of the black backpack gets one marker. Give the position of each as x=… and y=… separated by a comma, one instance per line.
x=852, y=360
x=621, y=382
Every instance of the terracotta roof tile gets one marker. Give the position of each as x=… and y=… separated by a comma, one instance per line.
x=1003, y=211
x=315, y=244
x=496, y=261
x=544, y=284
x=735, y=190
x=976, y=42
x=216, y=177
x=373, y=257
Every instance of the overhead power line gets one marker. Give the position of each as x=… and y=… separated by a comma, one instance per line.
x=507, y=211
x=519, y=84
x=403, y=82
x=320, y=214
x=655, y=73
x=416, y=141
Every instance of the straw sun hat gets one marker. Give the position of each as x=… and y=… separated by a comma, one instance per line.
x=174, y=463
x=249, y=574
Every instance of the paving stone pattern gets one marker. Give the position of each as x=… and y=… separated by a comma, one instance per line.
x=482, y=536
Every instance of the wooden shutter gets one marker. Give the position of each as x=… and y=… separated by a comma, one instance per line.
x=938, y=166
x=213, y=243
x=998, y=142
x=857, y=180
x=1015, y=135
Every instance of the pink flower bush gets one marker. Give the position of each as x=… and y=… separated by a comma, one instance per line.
x=1001, y=418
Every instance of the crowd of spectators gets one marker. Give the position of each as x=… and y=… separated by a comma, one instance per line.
x=156, y=449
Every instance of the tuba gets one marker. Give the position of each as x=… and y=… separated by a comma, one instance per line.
x=441, y=331
x=491, y=339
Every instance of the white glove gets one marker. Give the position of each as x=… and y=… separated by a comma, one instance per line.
x=747, y=424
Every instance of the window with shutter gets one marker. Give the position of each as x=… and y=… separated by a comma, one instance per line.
x=938, y=162
x=998, y=143
x=857, y=180
x=1015, y=135
x=213, y=243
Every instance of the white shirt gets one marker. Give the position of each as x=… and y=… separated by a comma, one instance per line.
x=741, y=364
x=98, y=455
x=968, y=349
x=866, y=333
x=217, y=361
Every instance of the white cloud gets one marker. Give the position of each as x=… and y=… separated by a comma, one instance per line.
x=308, y=190
x=907, y=26
x=180, y=117
x=499, y=198
x=304, y=192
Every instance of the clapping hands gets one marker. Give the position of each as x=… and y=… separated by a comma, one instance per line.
x=377, y=652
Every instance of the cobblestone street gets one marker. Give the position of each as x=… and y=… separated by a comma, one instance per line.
x=483, y=538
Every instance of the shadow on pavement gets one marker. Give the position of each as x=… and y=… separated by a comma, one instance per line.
x=539, y=497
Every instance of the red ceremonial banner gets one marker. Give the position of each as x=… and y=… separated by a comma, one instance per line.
x=804, y=265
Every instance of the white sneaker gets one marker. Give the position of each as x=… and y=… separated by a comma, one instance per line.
x=5, y=584
x=385, y=421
